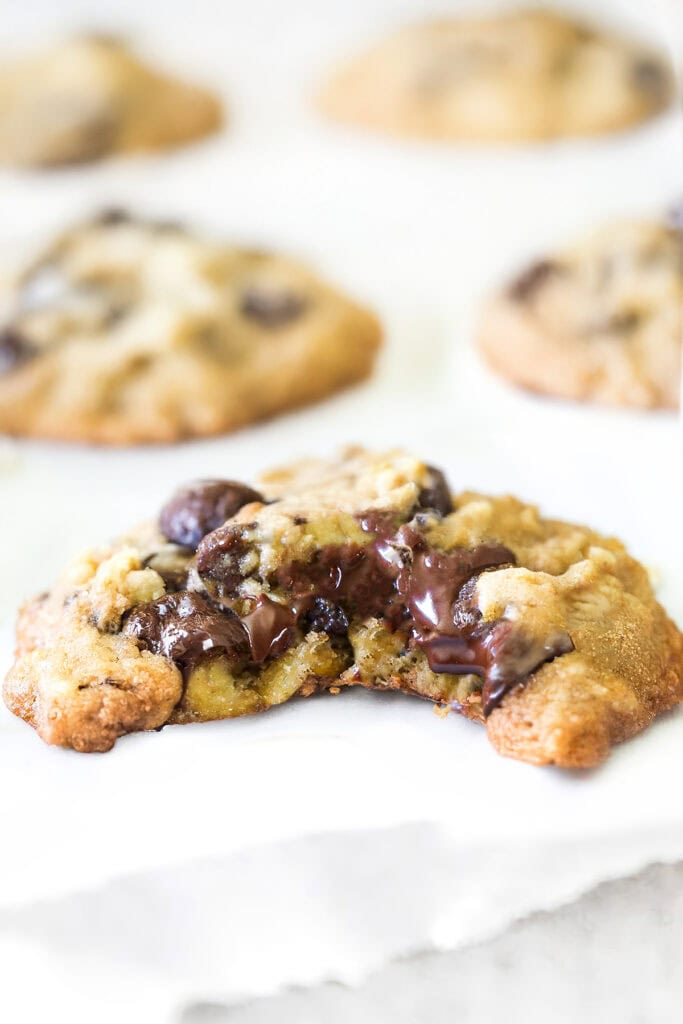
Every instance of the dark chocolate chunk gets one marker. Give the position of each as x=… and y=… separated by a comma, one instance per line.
x=437, y=494
x=347, y=574
x=513, y=656
x=431, y=585
x=201, y=507
x=15, y=349
x=271, y=628
x=271, y=308
x=426, y=593
x=111, y=216
x=218, y=560
x=651, y=76
x=325, y=616
x=185, y=626
x=528, y=283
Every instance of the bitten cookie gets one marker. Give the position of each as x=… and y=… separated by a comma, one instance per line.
x=599, y=322
x=130, y=331
x=362, y=572
x=512, y=76
x=90, y=97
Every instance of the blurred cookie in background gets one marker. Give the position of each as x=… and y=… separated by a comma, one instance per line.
x=130, y=331
x=90, y=97
x=513, y=76
x=601, y=321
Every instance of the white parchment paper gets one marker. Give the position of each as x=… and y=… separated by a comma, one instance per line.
x=321, y=839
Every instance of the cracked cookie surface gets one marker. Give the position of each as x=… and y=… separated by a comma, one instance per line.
x=601, y=321
x=364, y=571
x=130, y=331
x=90, y=97
x=509, y=77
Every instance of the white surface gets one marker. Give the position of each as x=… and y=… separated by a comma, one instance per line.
x=190, y=847
x=612, y=956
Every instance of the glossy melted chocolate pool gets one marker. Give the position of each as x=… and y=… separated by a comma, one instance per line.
x=425, y=593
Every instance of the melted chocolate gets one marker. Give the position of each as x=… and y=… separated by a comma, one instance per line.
x=202, y=507
x=527, y=284
x=349, y=575
x=271, y=628
x=185, y=626
x=512, y=656
x=504, y=657
x=271, y=308
x=396, y=576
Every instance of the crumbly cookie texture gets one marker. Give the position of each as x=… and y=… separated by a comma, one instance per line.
x=90, y=97
x=130, y=331
x=599, y=322
x=366, y=571
x=508, y=77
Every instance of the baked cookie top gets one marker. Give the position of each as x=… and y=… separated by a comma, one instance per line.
x=510, y=76
x=128, y=330
x=89, y=97
x=365, y=571
x=600, y=321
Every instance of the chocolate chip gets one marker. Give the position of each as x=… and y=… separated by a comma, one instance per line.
x=271, y=628
x=436, y=495
x=514, y=656
x=112, y=216
x=326, y=617
x=185, y=626
x=650, y=76
x=524, y=286
x=15, y=349
x=202, y=507
x=219, y=555
x=271, y=308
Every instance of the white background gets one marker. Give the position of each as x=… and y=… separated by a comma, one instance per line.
x=420, y=232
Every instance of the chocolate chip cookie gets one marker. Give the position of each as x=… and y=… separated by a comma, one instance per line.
x=90, y=97
x=130, y=331
x=600, y=322
x=367, y=572
x=512, y=76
